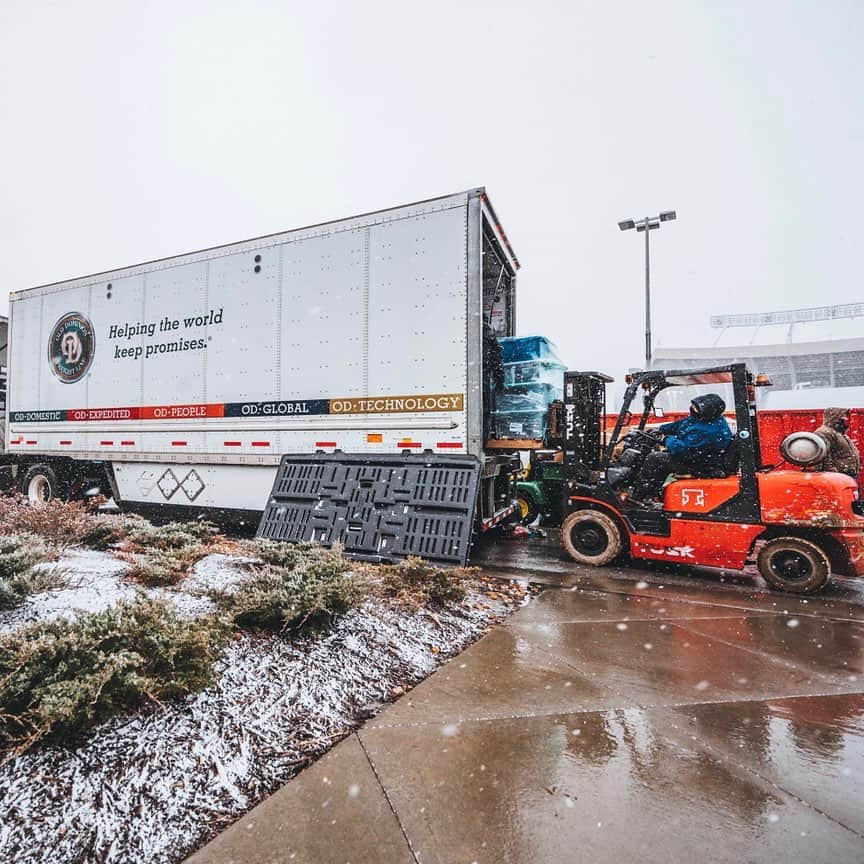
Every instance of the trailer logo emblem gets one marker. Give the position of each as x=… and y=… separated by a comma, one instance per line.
x=192, y=484
x=168, y=484
x=70, y=347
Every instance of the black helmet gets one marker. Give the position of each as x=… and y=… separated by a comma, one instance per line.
x=708, y=407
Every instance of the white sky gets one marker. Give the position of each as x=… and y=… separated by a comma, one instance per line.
x=135, y=130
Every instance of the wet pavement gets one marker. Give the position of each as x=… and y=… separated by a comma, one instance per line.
x=650, y=715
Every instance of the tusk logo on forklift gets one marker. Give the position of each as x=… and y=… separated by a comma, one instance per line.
x=673, y=551
x=71, y=347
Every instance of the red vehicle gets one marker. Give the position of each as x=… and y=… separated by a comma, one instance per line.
x=798, y=527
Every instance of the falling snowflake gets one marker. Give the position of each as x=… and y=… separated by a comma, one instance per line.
x=622, y=626
x=353, y=790
x=793, y=622
x=703, y=685
x=450, y=730
x=641, y=585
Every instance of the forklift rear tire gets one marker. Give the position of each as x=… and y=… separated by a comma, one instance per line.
x=592, y=537
x=40, y=485
x=527, y=510
x=793, y=564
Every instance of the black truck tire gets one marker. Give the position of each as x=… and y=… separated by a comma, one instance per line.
x=793, y=564
x=592, y=537
x=39, y=485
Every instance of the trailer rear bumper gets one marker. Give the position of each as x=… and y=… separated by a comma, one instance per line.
x=500, y=518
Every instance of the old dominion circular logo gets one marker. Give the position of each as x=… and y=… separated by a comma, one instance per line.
x=70, y=347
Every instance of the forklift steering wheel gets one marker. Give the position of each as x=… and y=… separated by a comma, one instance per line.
x=654, y=439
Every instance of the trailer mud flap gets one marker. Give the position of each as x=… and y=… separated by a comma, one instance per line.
x=380, y=508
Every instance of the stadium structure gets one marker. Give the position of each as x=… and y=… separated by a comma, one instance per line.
x=814, y=357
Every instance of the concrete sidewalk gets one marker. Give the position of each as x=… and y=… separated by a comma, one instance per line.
x=600, y=726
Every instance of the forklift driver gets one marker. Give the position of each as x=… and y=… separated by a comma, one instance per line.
x=694, y=445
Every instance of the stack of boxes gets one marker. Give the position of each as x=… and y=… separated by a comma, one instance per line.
x=533, y=378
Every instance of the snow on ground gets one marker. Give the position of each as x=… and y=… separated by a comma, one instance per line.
x=97, y=581
x=158, y=785
x=94, y=582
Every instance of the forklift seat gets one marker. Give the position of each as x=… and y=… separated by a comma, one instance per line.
x=727, y=463
x=732, y=456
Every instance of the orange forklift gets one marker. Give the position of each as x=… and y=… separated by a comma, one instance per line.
x=798, y=526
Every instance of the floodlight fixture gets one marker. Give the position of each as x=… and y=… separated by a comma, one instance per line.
x=647, y=225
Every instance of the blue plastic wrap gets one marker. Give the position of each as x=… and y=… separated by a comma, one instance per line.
x=518, y=349
x=533, y=378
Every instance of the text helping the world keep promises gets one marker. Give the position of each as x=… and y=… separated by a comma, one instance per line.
x=175, y=329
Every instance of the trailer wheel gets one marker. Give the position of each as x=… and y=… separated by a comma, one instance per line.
x=592, y=537
x=527, y=509
x=793, y=564
x=40, y=485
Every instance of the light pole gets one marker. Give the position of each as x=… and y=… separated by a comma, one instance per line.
x=648, y=224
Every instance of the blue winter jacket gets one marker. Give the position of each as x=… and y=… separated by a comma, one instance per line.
x=690, y=438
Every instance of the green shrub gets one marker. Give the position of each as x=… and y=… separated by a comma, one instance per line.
x=273, y=552
x=104, y=531
x=308, y=596
x=164, y=553
x=19, y=554
x=173, y=536
x=161, y=567
x=60, y=677
x=416, y=581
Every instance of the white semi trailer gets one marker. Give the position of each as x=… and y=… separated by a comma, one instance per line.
x=180, y=383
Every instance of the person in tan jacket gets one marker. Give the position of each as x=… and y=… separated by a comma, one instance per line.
x=843, y=456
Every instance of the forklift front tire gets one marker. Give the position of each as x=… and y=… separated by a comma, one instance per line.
x=592, y=537
x=793, y=564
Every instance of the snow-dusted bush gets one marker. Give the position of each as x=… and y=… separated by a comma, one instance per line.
x=106, y=530
x=164, y=553
x=19, y=553
x=278, y=554
x=59, y=677
x=58, y=522
x=308, y=595
x=416, y=581
x=161, y=567
x=144, y=536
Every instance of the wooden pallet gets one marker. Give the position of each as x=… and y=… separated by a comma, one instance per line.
x=514, y=444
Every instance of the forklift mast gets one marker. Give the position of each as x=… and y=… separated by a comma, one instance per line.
x=584, y=428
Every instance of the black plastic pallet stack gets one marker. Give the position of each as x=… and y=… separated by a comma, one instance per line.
x=381, y=508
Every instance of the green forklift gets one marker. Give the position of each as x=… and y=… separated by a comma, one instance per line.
x=574, y=442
